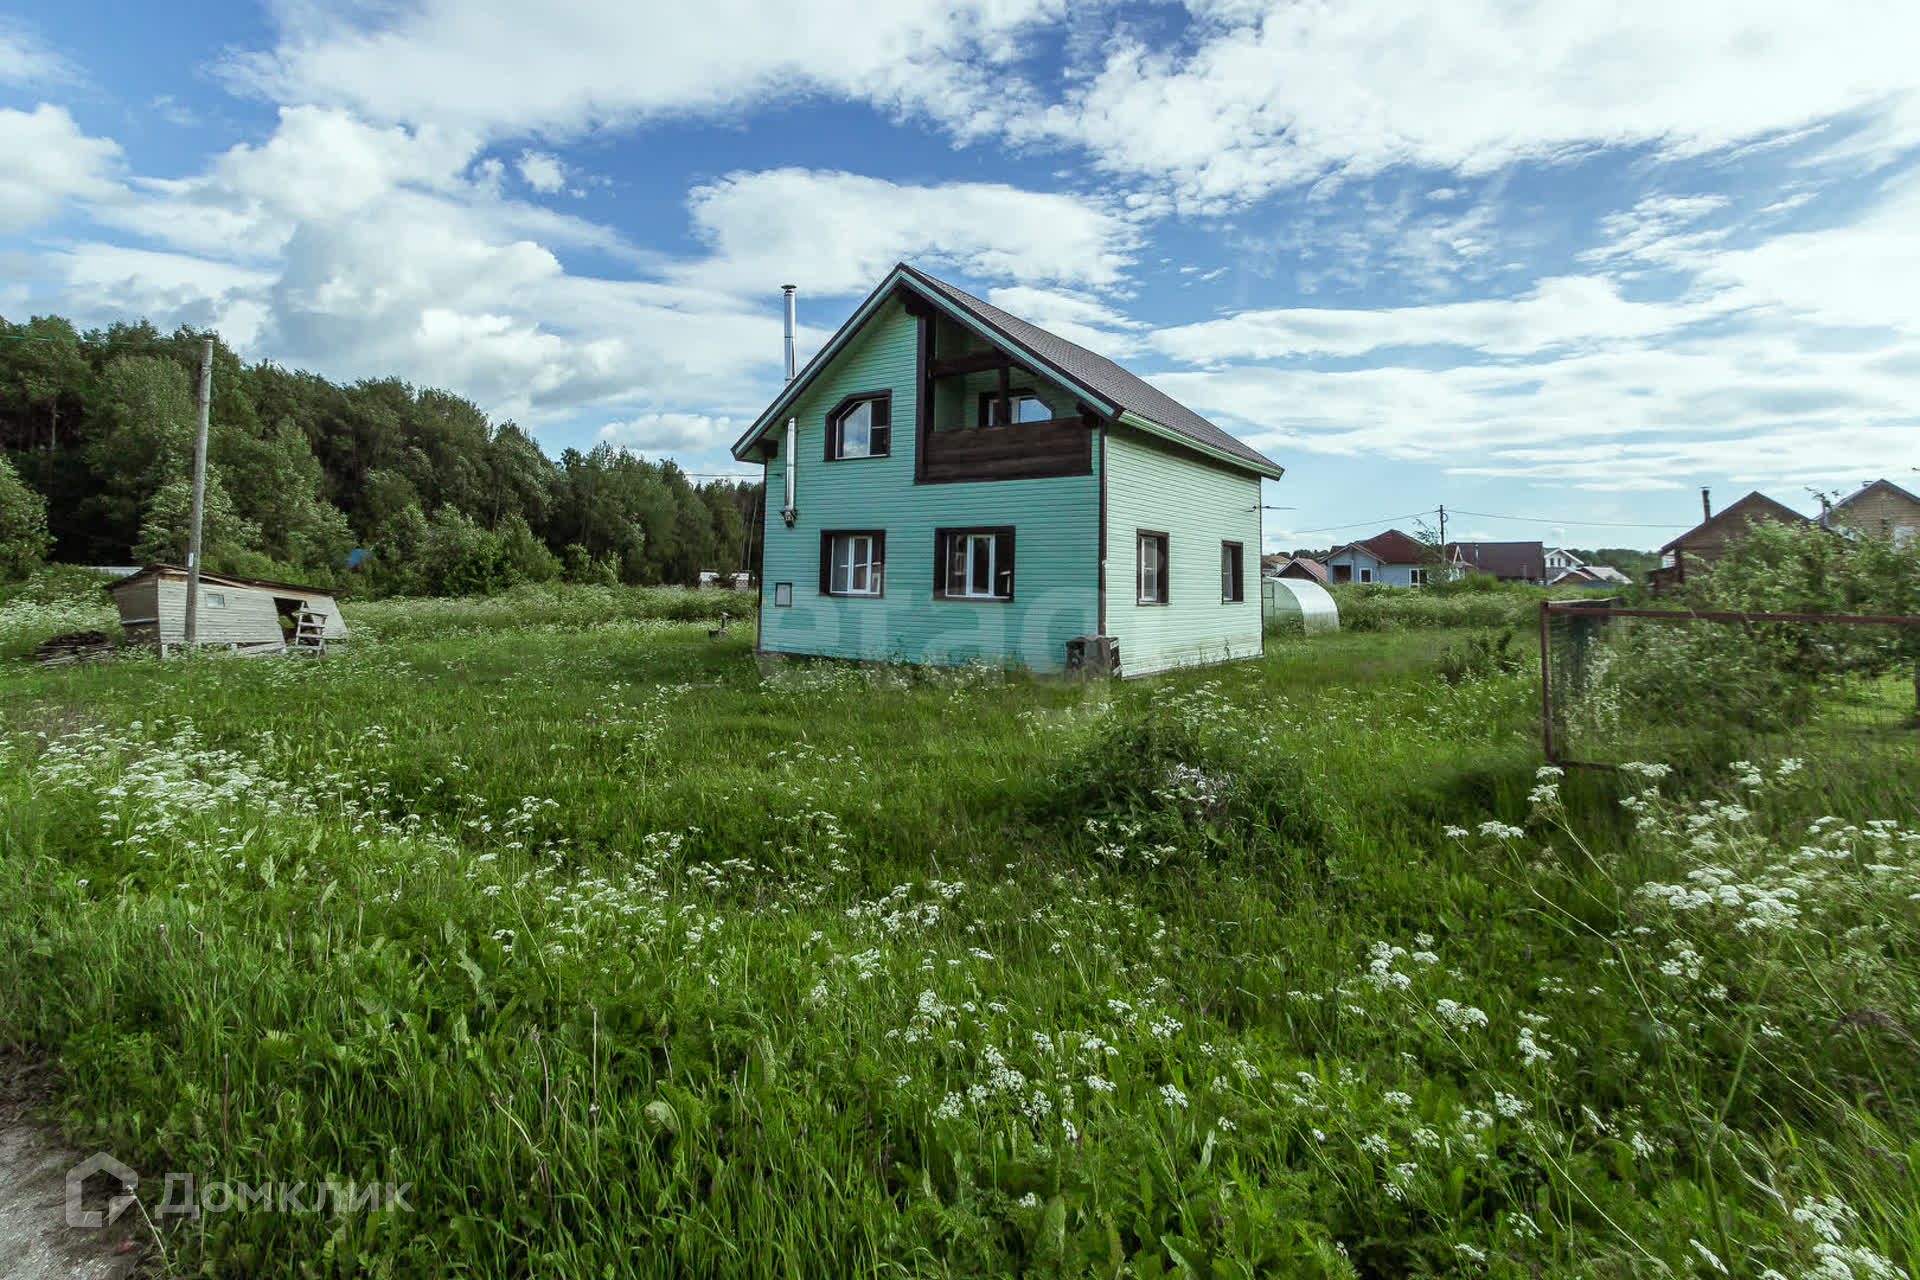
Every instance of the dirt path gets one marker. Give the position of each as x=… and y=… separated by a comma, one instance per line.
x=36, y=1242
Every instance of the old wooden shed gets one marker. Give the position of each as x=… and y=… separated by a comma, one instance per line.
x=247, y=615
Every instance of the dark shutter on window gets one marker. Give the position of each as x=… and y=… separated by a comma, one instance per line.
x=832, y=436
x=1003, y=563
x=880, y=562
x=882, y=426
x=942, y=544
x=826, y=563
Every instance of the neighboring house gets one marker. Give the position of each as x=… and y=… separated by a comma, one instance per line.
x=1580, y=576
x=948, y=483
x=248, y=615
x=1702, y=546
x=1299, y=567
x=1880, y=510
x=1507, y=561
x=1560, y=560
x=1391, y=558
x=1607, y=573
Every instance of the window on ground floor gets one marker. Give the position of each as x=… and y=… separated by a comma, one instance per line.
x=1233, y=587
x=1152, y=569
x=852, y=562
x=973, y=564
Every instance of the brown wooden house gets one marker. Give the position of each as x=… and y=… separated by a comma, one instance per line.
x=1880, y=510
x=1701, y=547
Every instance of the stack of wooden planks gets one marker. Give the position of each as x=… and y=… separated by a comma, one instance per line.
x=75, y=646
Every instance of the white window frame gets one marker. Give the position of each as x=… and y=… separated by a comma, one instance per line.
x=1366, y=575
x=969, y=564
x=855, y=566
x=1417, y=577
x=844, y=445
x=214, y=599
x=1015, y=399
x=1150, y=575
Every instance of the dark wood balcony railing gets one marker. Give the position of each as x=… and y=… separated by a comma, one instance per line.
x=1021, y=451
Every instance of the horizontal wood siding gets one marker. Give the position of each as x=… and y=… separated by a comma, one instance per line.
x=1056, y=520
x=1198, y=505
x=250, y=616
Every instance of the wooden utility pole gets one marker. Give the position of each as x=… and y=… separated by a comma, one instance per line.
x=199, y=494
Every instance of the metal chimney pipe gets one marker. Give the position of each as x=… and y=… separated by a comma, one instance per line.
x=791, y=368
x=789, y=512
x=1706, y=503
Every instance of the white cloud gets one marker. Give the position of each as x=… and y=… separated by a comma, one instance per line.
x=1075, y=316
x=507, y=68
x=351, y=248
x=1560, y=312
x=542, y=171
x=116, y=281
x=1762, y=406
x=667, y=433
x=837, y=233
x=50, y=161
x=1292, y=92
x=25, y=59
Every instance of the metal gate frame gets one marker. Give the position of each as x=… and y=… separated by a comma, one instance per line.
x=1600, y=609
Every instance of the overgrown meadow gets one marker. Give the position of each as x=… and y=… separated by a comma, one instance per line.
x=636, y=956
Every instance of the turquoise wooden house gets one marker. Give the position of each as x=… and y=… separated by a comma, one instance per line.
x=947, y=483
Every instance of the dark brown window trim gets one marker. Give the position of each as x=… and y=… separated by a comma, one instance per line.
x=827, y=536
x=1005, y=531
x=986, y=399
x=881, y=399
x=1166, y=567
x=1240, y=581
x=1100, y=575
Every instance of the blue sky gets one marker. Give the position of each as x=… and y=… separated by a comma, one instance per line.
x=1568, y=261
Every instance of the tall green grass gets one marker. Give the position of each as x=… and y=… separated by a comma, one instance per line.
x=636, y=957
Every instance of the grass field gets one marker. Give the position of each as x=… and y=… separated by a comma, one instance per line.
x=636, y=957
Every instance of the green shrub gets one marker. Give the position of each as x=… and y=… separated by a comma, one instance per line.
x=23, y=525
x=1480, y=657
x=1163, y=775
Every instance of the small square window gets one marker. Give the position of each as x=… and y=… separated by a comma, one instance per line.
x=214, y=599
x=1418, y=577
x=783, y=595
x=1366, y=575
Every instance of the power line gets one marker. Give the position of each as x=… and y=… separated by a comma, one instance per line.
x=1569, y=520
x=1327, y=528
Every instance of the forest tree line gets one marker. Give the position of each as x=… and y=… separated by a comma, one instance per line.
x=96, y=430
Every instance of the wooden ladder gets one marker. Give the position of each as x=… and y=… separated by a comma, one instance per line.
x=309, y=632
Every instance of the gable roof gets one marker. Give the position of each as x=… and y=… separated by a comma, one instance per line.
x=163, y=570
x=1312, y=568
x=1756, y=506
x=1883, y=483
x=1501, y=559
x=1391, y=547
x=1099, y=381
